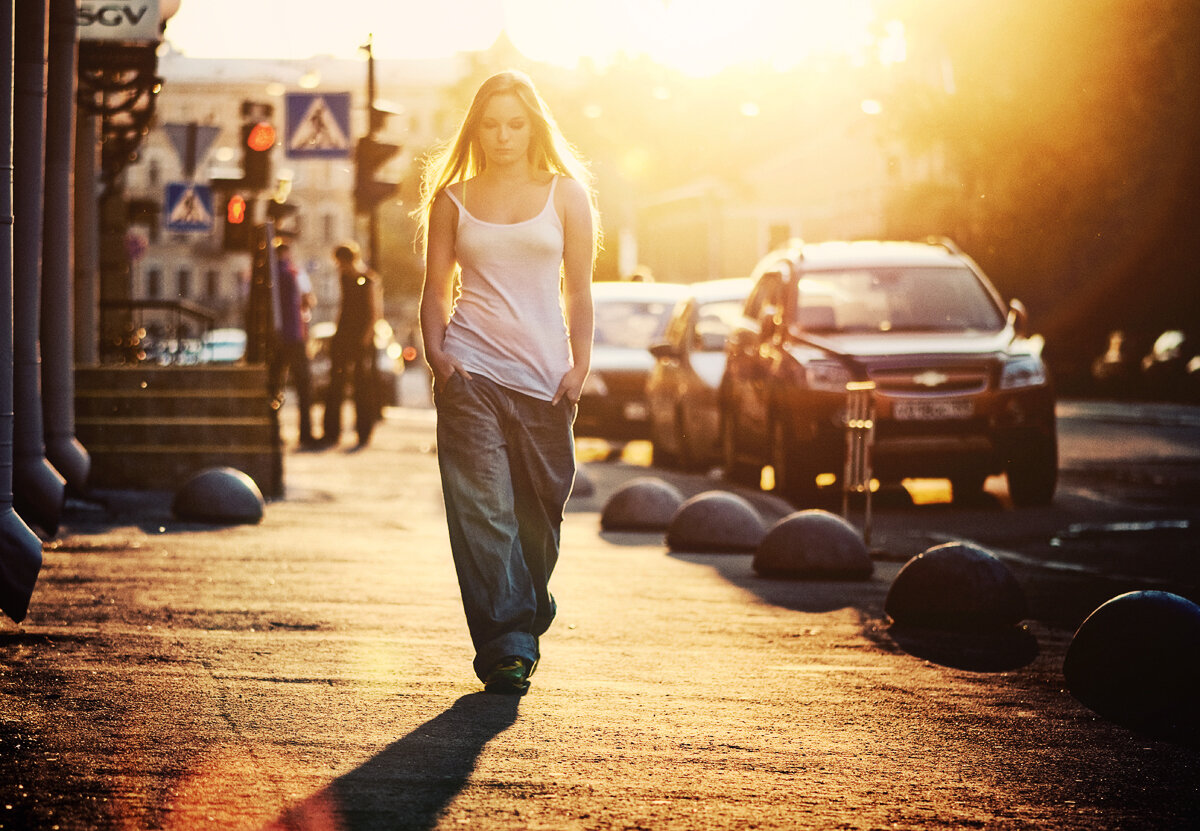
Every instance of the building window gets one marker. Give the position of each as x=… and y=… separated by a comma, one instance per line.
x=154, y=174
x=212, y=284
x=184, y=283
x=328, y=228
x=154, y=283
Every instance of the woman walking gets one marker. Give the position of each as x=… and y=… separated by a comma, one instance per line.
x=511, y=234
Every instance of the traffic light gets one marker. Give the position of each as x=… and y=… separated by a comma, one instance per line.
x=369, y=156
x=257, y=140
x=286, y=218
x=258, y=137
x=237, y=224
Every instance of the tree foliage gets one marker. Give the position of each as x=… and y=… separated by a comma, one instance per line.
x=1071, y=132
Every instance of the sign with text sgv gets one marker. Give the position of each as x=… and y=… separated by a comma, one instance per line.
x=132, y=21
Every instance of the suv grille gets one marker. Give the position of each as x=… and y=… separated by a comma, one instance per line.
x=931, y=381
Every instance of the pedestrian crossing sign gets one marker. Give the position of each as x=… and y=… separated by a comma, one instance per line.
x=318, y=125
x=188, y=207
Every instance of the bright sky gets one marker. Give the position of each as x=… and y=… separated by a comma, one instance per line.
x=695, y=36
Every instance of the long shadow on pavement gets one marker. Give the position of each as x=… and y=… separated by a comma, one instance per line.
x=410, y=783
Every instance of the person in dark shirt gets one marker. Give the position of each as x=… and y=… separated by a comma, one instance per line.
x=352, y=347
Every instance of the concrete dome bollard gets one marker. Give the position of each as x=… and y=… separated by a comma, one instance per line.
x=956, y=586
x=583, y=486
x=815, y=545
x=1136, y=661
x=646, y=503
x=222, y=495
x=716, y=521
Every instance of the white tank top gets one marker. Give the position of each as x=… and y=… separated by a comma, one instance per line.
x=508, y=323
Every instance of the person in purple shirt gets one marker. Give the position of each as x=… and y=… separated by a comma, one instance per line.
x=289, y=359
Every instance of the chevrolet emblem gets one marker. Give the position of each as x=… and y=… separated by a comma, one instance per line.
x=930, y=379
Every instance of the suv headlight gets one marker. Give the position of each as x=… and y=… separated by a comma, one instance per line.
x=827, y=376
x=1024, y=371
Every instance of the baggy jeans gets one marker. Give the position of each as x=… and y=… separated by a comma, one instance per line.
x=507, y=463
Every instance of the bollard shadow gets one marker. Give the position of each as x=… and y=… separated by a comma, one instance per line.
x=409, y=784
x=150, y=511
x=867, y=596
x=994, y=650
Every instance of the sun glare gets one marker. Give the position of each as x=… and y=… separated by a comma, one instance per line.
x=697, y=37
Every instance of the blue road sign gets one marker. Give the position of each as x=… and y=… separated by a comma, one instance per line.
x=318, y=125
x=188, y=207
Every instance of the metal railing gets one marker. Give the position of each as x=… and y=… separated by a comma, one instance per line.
x=162, y=332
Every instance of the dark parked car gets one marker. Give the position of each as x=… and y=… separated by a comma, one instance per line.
x=629, y=317
x=689, y=363
x=961, y=390
x=389, y=361
x=1171, y=369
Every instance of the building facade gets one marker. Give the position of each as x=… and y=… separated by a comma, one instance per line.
x=195, y=266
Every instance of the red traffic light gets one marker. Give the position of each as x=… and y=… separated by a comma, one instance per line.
x=261, y=137
x=235, y=211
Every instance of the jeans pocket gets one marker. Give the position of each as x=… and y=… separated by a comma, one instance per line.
x=440, y=389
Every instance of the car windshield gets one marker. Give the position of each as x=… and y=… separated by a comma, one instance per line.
x=631, y=324
x=910, y=299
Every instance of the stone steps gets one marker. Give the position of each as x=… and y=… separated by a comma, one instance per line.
x=152, y=427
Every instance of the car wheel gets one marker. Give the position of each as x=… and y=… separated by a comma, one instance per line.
x=1032, y=472
x=966, y=486
x=736, y=470
x=660, y=456
x=792, y=479
x=689, y=457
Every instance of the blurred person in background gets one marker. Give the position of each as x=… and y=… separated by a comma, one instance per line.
x=352, y=348
x=289, y=361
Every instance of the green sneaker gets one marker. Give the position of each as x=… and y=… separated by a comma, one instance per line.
x=510, y=676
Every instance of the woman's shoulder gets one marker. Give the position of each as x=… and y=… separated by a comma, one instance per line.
x=571, y=193
x=570, y=187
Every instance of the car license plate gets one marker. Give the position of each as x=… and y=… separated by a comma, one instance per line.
x=938, y=409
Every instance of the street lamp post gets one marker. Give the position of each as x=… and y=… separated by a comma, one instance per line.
x=371, y=154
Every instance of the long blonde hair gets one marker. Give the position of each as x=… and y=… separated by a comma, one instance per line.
x=462, y=157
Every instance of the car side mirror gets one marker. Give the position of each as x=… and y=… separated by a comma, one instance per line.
x=1018, y=317
x=662, y=349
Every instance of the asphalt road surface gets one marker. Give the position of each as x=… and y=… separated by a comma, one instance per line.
x=313, y=672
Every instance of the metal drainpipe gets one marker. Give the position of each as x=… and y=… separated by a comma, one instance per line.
x=63, y=450
x=87, y=239
x=39, y=491
x=20, y=548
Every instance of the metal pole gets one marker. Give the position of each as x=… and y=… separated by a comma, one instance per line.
x=373, y=215
x=860, y=436
x=39, y=491
x=87, y=239
x=20, y=548
x=63, y=450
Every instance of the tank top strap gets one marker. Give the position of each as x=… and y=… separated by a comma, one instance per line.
x=462, y=209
